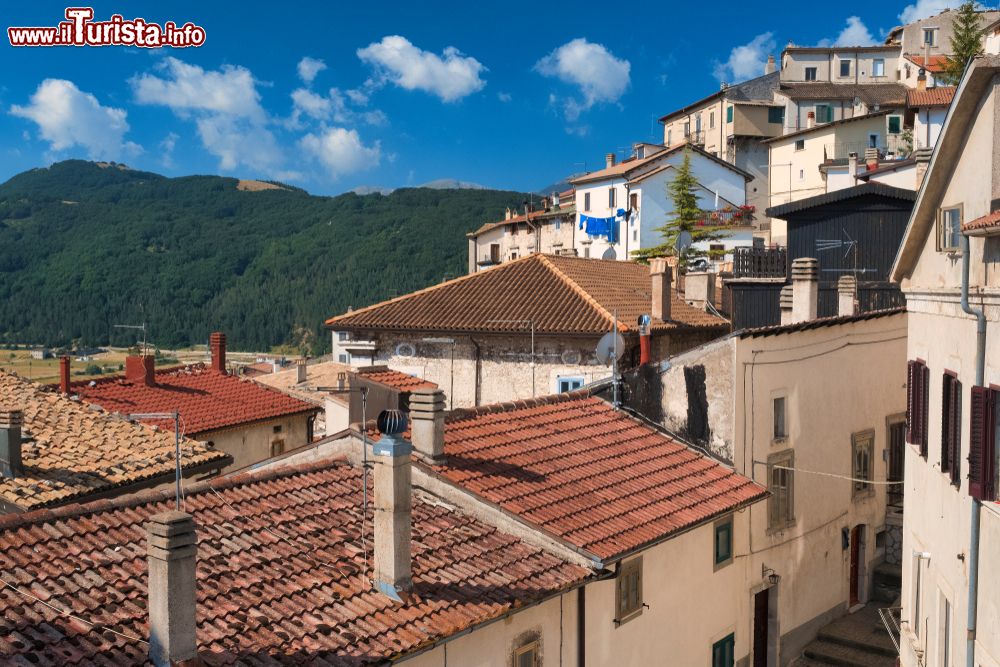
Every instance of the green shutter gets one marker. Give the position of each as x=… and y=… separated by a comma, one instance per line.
x=729, y=114
x=894, y=124
x=724, y=652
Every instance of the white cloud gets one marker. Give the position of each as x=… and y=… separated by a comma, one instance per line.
x=504, y=97
x=600, y=76
x=450, y=76
x=167, y=149
x=921, y=9
x=68, y=117
x=856, y=33
x=332, y=107
x=184, y=88
x=341, y=150
x=236, y=142
x=309, y=67
x=746, y=61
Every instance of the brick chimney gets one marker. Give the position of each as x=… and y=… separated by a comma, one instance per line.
x=810, y=119
x=393, y=504
x=11, y=422
x=301, y=371
x=770, y=67
x=871, y=159
x=64, y=374
x=217, y=344
x=609, y=160
x=805, y=289
x=847, y=288
x=172, y=548
x=659, y=275
x=785, y=304
x=427, y=417
x=141, y=369
x=699, y=289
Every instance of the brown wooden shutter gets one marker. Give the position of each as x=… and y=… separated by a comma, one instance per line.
x=946, y=422
x=982, y=445
x=955, y=443
x=925, y=389
x=911, y=388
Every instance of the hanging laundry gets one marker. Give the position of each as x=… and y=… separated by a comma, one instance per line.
x=606, y=227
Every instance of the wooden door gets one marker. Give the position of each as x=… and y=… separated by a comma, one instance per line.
x=855, y=564
x=760, y=628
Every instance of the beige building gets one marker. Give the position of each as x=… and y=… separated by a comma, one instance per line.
x=550, y=229
x=840, y=64
x=951, y=538
x=931, y=36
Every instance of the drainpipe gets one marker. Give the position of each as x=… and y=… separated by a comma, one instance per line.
x=970, y=652
x=478, y=364
x=581, y=626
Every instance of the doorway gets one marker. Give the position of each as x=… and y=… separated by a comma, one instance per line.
x=857, y=554
x=761, y=627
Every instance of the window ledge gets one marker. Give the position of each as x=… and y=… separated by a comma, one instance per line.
x=774, y=530
x=629, y=617
x=775, y=442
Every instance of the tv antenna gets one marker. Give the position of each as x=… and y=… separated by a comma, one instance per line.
x=139, y=327
x=609, y=350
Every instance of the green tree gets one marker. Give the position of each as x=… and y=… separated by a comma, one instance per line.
x=686, y=217
x=966, y=42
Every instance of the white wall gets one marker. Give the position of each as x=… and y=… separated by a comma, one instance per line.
x=927, y=124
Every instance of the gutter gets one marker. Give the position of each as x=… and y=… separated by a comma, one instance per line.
x=970, y=652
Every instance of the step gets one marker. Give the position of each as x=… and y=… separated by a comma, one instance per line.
x=829, y=653
x=877, y=642
x=889, y=572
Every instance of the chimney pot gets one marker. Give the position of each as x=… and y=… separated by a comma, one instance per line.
x=659, y=274
x=172, y=549
x=852, y=167
x=217, y=344
x=770, y=67
x=11, y=422
x=301, y=371
x=785, y=303
x=699, y=289
x=609, y=160
x=427, y=407
x=393, y=506
x=64, y=374
x=805, y=289
x=141, y=369
x=810, y=119
x=847, y=288
x=922, y=79
x=871, y=159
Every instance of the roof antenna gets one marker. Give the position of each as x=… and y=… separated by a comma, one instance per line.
x=141, y=327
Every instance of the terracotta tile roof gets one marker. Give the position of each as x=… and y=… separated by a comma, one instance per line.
x=818, y=323
x=280, y=573
x=560, y=294
x=566, y=209
x=935, y=64
x=587, y=474
x=984, y=225
x=395, y=379
x=627, y=166
x=882, y=94
x=207, y=400
x=76, y=451
x=940, y=96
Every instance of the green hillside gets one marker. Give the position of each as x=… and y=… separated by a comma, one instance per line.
x=84, y=246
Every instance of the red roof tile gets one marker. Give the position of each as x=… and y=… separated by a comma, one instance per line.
x=592, y=476
x=395, y=379
x=935, y=64
x=280, y=576
x=931, y=97
x=984, y=225
x=207, y=400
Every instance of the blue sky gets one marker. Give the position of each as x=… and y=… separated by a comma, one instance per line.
x=339, y=95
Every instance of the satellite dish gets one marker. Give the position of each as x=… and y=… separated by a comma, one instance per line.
x=644, y=320
x=683, y=242
x=610, y=348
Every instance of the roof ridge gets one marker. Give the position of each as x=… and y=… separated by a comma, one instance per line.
x=425, y=290
x=460, y=414
x=584, y=294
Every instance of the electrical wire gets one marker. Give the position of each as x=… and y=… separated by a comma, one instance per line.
x=68, y=614
x=828, y=474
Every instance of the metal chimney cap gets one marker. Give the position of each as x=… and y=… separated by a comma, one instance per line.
x=391, y=422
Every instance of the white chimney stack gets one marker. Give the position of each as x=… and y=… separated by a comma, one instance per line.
x=427, y=416
x=852, y=167
x=785, y=304
x=659, y=275
x=609, y=160
x=805, y=289
x=393, y=506
x=699, y=289
x=770, y=67
x=301, y=371
x=172, y=548
x=847, y=289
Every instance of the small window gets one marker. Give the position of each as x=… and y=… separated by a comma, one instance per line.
x=930, y=36
x=949, y=229
x=862, y=447
x=776, y=115
x=628, y=595
x=513, y=254
x=277, y=429
x=716, y=249
x=633, y=202
x=277, y=447
x=527, y=655
x=697, y=124
x=611, y=198
x=873, y=140
x=878, y=67
x=802, y=174
x=845, y=67
x=711, y=120
x=729, y=114
x=586, y=201
x=800, y=144
x=780, y=429
x=724, y=652
x=895, y=124
x=342, y=335
x=810, y=74
x=670, y=137
x=781, y=481
x=569, y=384
x=724, y=542
x=558, y=224
x=343, y=358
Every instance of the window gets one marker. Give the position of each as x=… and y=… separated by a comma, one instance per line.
x=930, y=36
x=277, y=448
x=687, y=129
x=527, y=655
x=495, y=253
x=878, y=67
x=873, y=140
x=342, y=336
x=343, y=359
x=558, y=224
x=277, y=428
x=917, y=394
x=723, y=652
x=633, y=202
x=845, y=67
x=724, y=542
x=513, y=254
x=824, y=113
x=895, y=124
x=628, y=592
x=565, y=384
x=944, y=631
x=810, y=74
x=611, y=198
x=780, y=432
x=862, y=447
x=951, y=421
x=729, y=114
x=697, y=124
x=802, y=174
x=800, y=144
x=984, y=416
x=711, y=120
x=670, y=140
x=776, y=115
x=949, y=229
x=586, y=201
x=716, y=249
x=781, y=480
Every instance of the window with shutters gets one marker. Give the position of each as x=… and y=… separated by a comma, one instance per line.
x=951, y=419
x=824, y=113
x=949, y=228
x=862, y=449
x=586, y=201
x=984, y=416
x=780, y=431
x=781, y=484
x=917, y=395
x=628, y=596
x=810, y=74
x=528, y=655
x=895, y=124
x=724, y=542
x=729, y=113
x=611, y=197
x=724, y=652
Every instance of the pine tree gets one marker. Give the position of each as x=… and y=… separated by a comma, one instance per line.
x=687, y=217
x=966, y=42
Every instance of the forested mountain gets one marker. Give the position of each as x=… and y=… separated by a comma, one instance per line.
x=84, y=246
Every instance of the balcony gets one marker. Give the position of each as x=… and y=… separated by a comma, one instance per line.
x=760, y=262
x=697, y=137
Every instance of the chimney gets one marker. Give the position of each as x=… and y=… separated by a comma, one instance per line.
x=923, y=158
x=659, y=274
x=699, y=289
x=509, y=214
x=805, y=289
x=64, y=374
x=301, y=372
x=10, y=442
x=392, y=506
x=217, y=344
x=922, y=79
x=172, y=547
x=645, y=341
x=852, y=167
x=785, y=303
x=770, y=67
x=427, y=415
x=847, y=288
x=609, y=160
x=871, y=159
x=810, y=119
x=555, y=200
x=141, y=369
